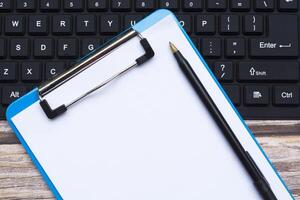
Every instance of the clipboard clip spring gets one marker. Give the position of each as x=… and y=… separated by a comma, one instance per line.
x=87, y=62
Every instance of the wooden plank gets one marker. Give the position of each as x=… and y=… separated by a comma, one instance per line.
x=284, y=153
x=259, y=127
x=20, y=180
x=274, y=127
x=6, y=134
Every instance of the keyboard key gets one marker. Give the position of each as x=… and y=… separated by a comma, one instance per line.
x=169, y=4
x=205, y=24
x=229, y=24
x=6, y=5
x=131, y=20
x=97, y=5
x=145, y=5
x=50, y=5
x=3, y=48
x=256, y=95
x=234, y=93
x=31, y=71
x=8, y=72
x=280, y=42
x=43, y=48
x=73, y=5
x=288, y=5
x=52, y=69
x=109, y=24
x=19, y=48
x=235, y=47
x=216, y=5
x=26, y=5
x=86, y=24
x=89, y=44
x=62, y=25
x=224, y=71
x=120, y=5
x=264, y=5
x=192, y=5
x=14, y=25
x=253, y=24
x=12, y=93
x=38, y=24
x=286, y=95
x=240, y=5
x=67, y=48
x=268, y=71
x=186, y=22
x=210, y=47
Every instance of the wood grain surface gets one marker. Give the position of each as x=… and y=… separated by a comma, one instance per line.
x=19, y=179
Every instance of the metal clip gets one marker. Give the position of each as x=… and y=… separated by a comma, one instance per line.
x=88, y=61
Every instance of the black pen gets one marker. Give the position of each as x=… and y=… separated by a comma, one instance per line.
x=259, y=180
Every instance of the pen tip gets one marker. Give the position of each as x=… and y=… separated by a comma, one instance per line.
x=173, y=48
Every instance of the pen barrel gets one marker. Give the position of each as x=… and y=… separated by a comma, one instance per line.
x=258, y=179
x=266, y=192
x=201, y=91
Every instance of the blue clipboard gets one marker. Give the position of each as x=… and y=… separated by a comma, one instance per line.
x=22, y=104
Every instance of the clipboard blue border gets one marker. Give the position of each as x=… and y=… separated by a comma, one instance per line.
x=15, y=108
x=31, y=97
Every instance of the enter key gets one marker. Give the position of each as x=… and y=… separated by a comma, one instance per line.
x=282, y=38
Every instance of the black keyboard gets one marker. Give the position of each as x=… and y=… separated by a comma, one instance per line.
x=250, y=45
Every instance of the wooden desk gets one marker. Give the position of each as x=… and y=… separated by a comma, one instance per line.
x=20, y=180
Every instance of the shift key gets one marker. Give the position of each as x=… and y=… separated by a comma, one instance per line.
x=268, y=71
